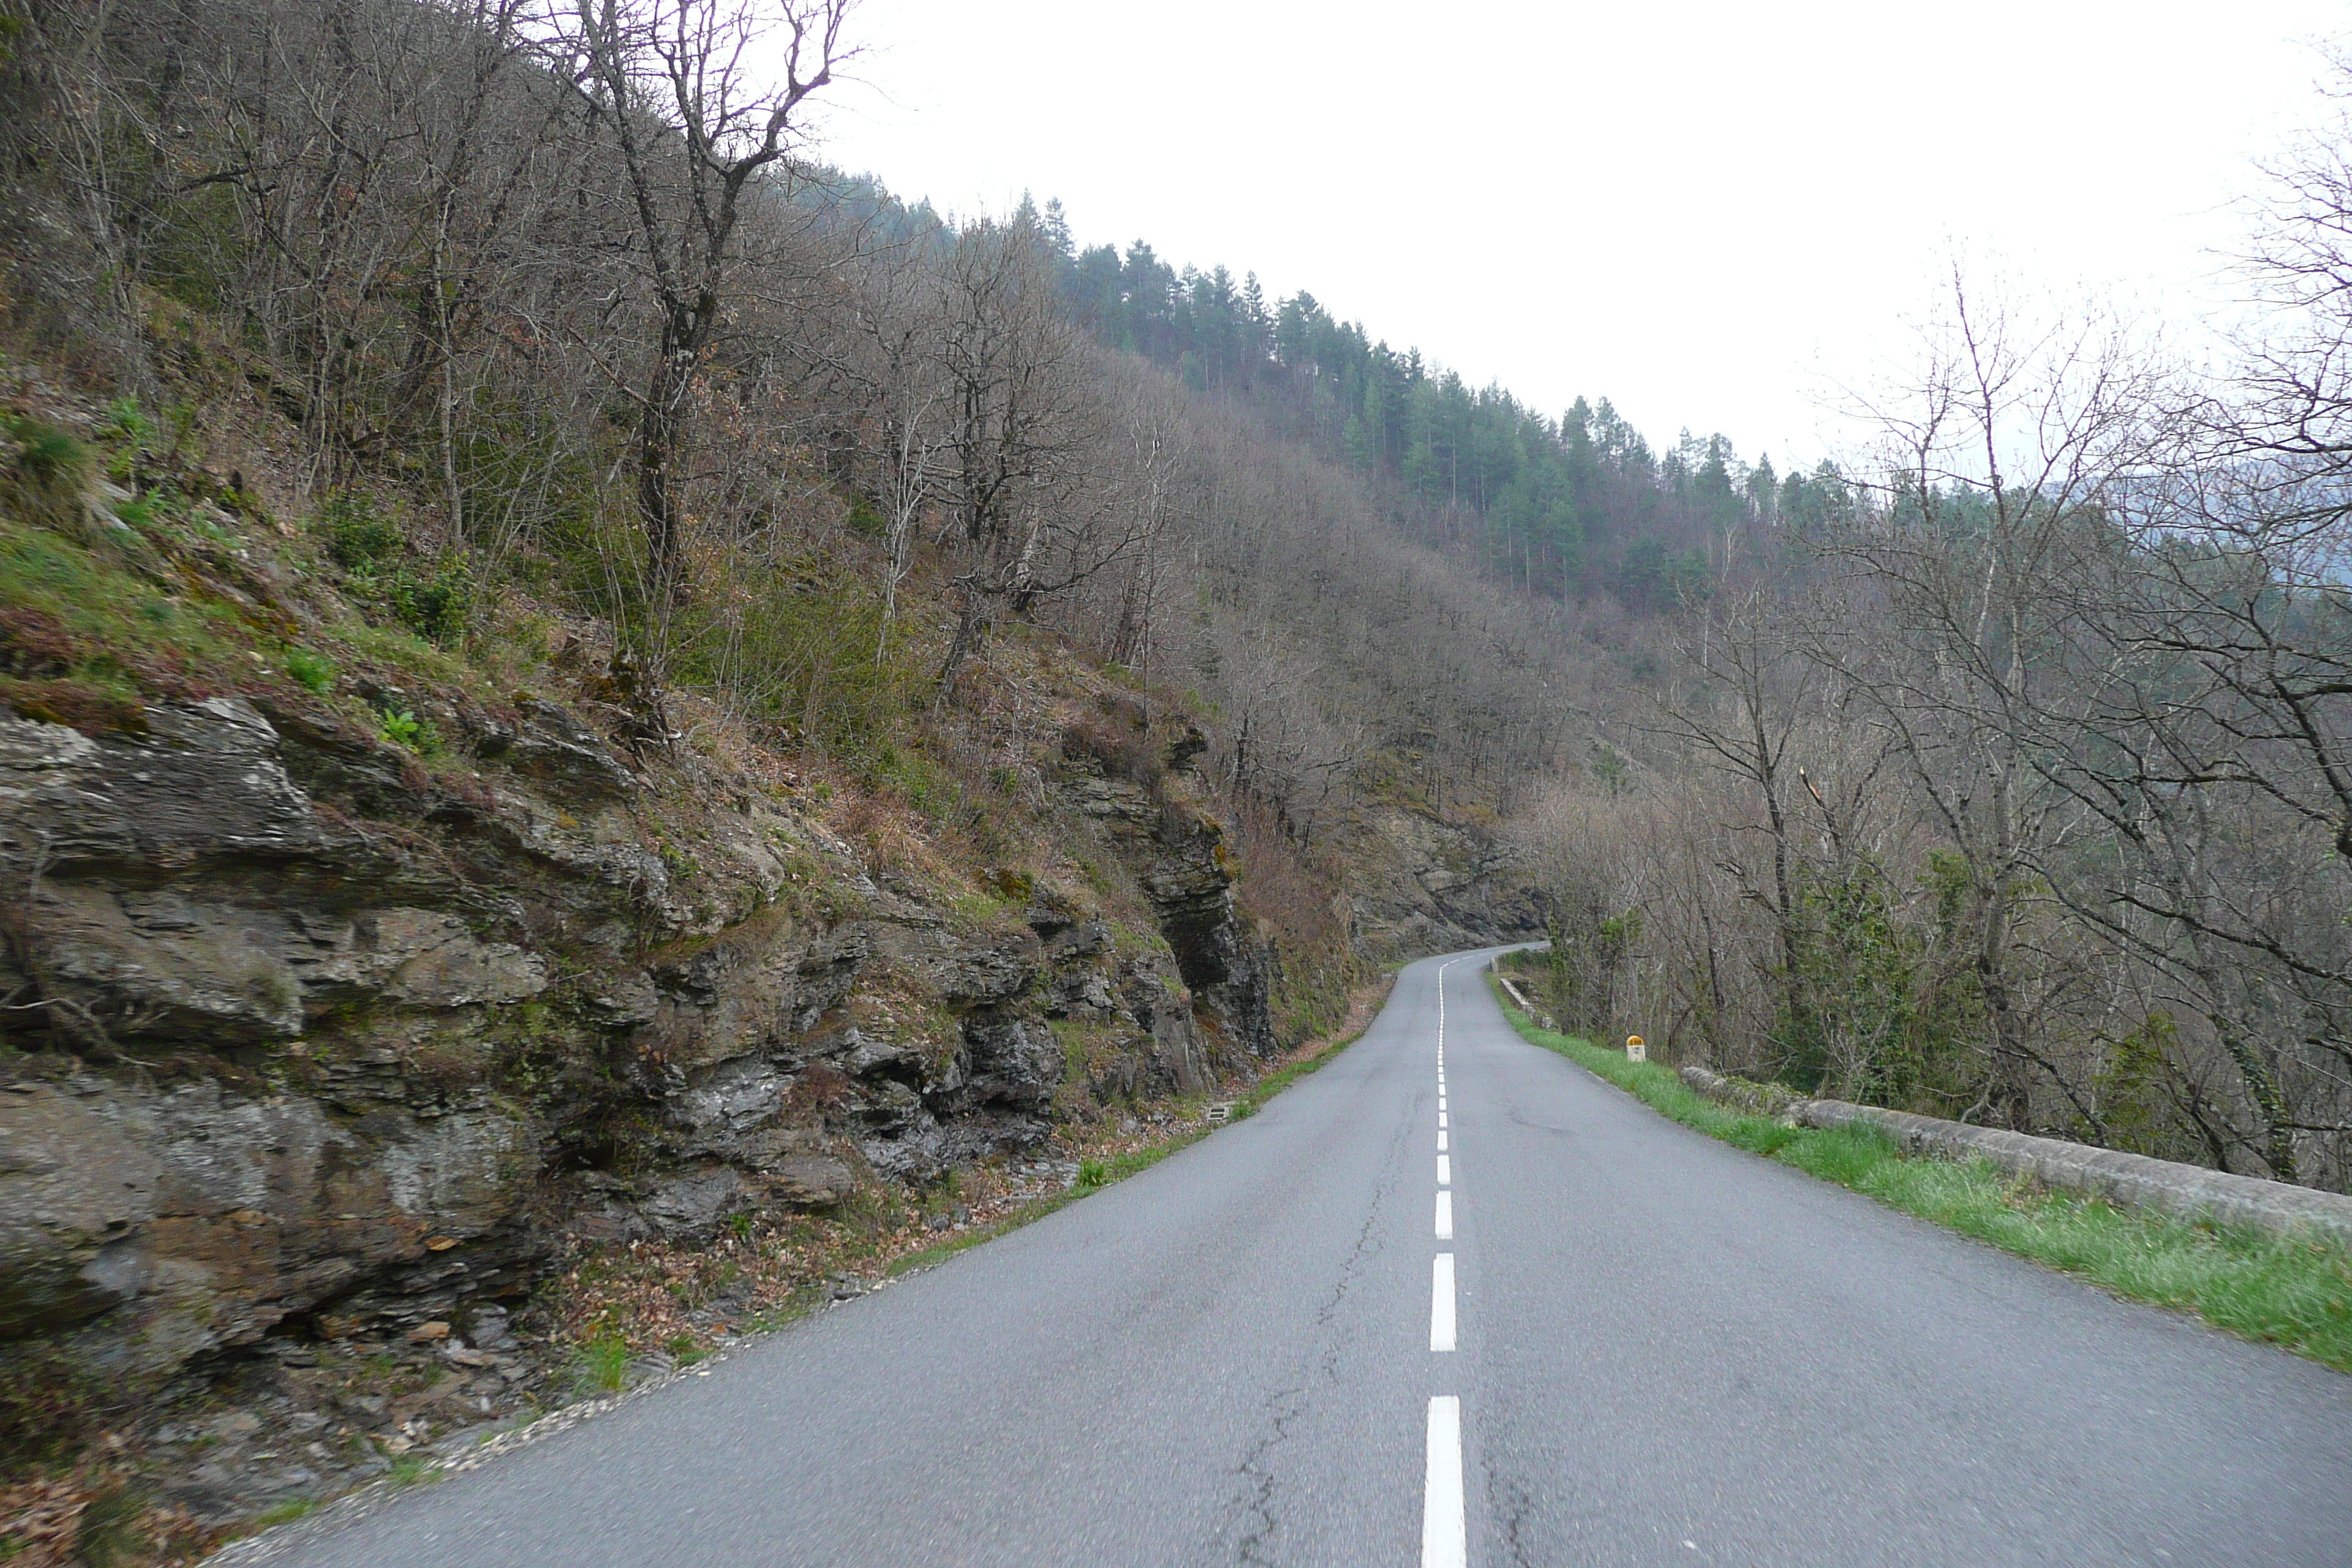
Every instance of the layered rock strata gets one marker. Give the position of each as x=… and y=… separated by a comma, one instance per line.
x=309, y=1037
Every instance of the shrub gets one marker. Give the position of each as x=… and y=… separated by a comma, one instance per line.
x=435, y=600
x=800, y=641
x=314, y=670
x=435, y=603
x=129, y=432
x=405, y=728
x=359, y=538
x=42, y=469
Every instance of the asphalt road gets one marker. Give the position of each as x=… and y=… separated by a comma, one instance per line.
x=1665, y=1352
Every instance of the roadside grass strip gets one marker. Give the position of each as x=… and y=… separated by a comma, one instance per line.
x=2293, y=1293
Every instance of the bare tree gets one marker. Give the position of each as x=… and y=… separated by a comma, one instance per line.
x=2015, y=436
x=1022, y=408
x=1753, y=686
x=676, y=84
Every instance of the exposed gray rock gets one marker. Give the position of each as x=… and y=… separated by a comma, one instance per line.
x=809, y=1180
x=206, y=781
x=209, y=1216
x=1008, y=1060
x=1185, y=872
x=732, y=1098
x=320, y=1032
x=551, y=744
x=1418, y=885
x=693, y=1202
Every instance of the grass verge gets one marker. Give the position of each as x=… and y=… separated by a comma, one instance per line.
x=2296, y=1294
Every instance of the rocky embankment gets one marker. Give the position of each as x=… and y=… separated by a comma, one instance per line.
x=1419, y=885
x=317, y=1046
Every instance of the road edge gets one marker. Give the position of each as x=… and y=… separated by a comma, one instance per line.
x=2291, y=1292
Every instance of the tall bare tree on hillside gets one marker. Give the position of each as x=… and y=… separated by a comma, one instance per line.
x=2016, y=436
x=1740, y=719
x=2213, y=745
x=677, y=83
x=1021, y=422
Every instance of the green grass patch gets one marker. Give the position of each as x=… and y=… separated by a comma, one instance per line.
x=313, y=670
x=83, y=615
x=605, y=1364
x=2291, y=1292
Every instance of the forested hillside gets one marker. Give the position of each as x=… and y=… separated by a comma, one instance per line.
x=1566, y=508
x=2010, y=787
x=581, y=685
x=1997, y=776
x=610, y=724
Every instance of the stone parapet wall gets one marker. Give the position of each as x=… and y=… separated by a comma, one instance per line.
x=2127, y=1181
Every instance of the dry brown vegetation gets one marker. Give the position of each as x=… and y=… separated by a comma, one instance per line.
x=2014, y=788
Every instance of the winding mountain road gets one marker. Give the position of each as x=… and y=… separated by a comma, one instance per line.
x=1436, y=1306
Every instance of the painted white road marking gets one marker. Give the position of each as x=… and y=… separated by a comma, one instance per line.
x=1441, y=1303
x=1445, y=1529
x=1444, y=1538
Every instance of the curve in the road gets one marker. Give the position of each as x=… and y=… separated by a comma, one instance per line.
x=1644, y=1347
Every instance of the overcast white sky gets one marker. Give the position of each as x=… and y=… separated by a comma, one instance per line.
x=1707, y=212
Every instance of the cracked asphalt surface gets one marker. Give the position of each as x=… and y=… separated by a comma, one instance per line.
x=1670, y=1353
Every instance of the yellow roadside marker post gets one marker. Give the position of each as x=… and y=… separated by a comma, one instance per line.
x=1636, y=1051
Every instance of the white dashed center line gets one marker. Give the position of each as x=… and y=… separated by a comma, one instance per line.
x=1441, y=1303
x=1444, y=1540
x=1444, y=1527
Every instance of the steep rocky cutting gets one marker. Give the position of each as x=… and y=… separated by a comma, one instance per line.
x=393, y=1028
x=339, y=1044
x=1417, y=884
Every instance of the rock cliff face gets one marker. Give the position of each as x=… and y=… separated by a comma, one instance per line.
x=309, y=1037
x=1419, y=885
